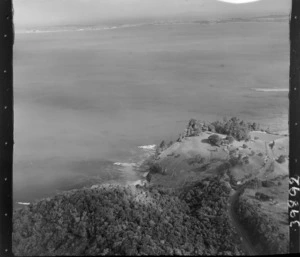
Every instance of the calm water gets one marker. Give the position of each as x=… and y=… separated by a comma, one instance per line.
x=84, y=100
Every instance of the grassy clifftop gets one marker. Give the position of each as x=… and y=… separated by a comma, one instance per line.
x=262, y=156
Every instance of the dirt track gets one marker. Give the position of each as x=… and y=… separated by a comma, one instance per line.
x=247, y=245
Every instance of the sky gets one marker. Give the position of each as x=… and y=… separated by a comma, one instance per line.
x=41, y=13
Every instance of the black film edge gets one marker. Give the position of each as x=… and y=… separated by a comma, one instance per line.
x=294, y=128
x=6, y=125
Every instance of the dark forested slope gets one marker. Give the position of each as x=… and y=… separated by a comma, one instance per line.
x=115, y=220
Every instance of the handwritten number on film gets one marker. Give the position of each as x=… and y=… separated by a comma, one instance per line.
x=291, y=204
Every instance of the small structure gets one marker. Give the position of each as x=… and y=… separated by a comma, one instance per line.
x=263, y=197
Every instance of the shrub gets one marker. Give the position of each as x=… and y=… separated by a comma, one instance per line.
x=149, y=177
x=246, y=159
x=255, y=126
x=224, y=142
x=234, y=161
x=281, y=159
x=193, y=128
x=254, y=183
x=192, y=123
x=170, y=143
x=181, y=136
x=162, y=145
x=211, y=128
x=215, y=140
x=268, y=183
x=230, y=139
x=262, y=196
x=196, y=132
x=156, y=168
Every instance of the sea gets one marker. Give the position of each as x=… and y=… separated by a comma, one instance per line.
x=90, y=104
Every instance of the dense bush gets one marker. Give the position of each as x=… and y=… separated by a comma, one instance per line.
x=207, y=200
x=116, y=220
x=234, y=127
x=107, y=221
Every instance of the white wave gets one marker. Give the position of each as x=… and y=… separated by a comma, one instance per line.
x=147, y=147
x=125, y=164
x=271, y=89
x=23, y=203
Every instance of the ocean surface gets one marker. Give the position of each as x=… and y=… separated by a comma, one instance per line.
x=86, y=100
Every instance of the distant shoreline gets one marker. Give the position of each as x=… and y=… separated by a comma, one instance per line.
x=271, y=89
x=155, y=23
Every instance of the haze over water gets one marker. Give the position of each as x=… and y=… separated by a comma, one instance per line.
x=84, y=100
